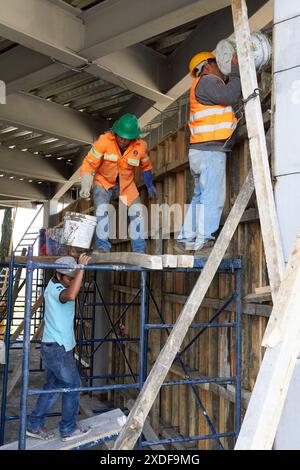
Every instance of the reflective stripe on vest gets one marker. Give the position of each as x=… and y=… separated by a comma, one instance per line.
x=95, y=153
x=111, y=157
x=212, y=128
x=133, y=161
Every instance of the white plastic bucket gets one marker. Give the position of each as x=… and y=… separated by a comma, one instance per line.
x=261, y=48
x=78, y=229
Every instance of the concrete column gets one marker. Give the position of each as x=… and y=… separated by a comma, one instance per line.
x=50, y=210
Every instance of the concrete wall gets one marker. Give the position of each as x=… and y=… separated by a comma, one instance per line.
x=287, y=172
x=287, y=100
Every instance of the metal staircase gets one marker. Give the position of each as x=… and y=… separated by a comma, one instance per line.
x=29, y=238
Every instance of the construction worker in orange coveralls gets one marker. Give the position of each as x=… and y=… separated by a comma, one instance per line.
x=110, y=167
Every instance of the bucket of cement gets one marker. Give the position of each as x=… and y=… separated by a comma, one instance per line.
x=78, y=229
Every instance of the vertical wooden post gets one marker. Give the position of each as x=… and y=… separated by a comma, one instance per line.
x=258, y=148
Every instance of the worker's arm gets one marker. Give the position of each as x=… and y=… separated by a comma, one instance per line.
x=211, y=90
x=89, y=165
x=73, y=290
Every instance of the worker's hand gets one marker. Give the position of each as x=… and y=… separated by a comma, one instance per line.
x=234, y=60
x=84, y=259
x=86, y=184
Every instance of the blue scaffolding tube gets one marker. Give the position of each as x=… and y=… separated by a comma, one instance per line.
x=233, y=266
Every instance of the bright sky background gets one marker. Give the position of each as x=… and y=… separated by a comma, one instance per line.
x=23, y=219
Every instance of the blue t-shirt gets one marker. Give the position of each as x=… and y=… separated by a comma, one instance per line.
x=59, y=317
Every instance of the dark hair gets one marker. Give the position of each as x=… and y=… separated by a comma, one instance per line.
x=211, y=60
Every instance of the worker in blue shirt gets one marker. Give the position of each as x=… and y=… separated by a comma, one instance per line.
x=57, y=346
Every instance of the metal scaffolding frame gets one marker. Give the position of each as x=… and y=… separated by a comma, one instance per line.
x=230, y=266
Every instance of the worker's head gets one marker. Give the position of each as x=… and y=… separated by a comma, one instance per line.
x=65, y=275
x=126, y=129
x=204, y=63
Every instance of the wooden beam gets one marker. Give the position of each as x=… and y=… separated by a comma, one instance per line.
x=227, y=392
x=144, y=402
x=135, y=259
x=267, y=400
x=148, y=431
x=258, y=148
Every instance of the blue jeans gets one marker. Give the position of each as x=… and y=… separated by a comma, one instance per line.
x=61, y=372
x=102, y=198
x=204, y=213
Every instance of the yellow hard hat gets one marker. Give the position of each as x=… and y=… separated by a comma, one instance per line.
x=197, y=59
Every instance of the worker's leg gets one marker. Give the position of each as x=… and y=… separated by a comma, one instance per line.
x=188, y=232
x=212, y=181
x=101, y=199
x=137, y=226
x=45, y=402
x=69, y=378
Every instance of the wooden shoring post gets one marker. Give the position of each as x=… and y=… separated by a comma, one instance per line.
x=144, y=402
x=267, y=400
x=258, y=148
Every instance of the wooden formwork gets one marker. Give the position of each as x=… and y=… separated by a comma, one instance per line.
x=214, y=354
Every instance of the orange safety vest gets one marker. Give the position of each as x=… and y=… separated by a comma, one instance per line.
x=209, y=122
x=107, y=161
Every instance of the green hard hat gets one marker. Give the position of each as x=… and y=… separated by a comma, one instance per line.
x=127, y=127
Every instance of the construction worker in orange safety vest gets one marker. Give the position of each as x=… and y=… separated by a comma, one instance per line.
x=110, y=167
x=212, y=123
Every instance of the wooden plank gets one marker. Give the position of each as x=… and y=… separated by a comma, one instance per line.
x=227, y=392
x=135, y=259
x=247, y=309
x=134, y=425
x=258, y=148
x=258, y=298
x=169, y=261
x=270, y=391
x=103, y=426
x=37, y=259
x=263, y=290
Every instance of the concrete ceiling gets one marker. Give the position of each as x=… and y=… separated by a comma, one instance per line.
x=72, y=67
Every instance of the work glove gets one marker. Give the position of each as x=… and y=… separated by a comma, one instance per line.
x=86, y=184
x=148, y=180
